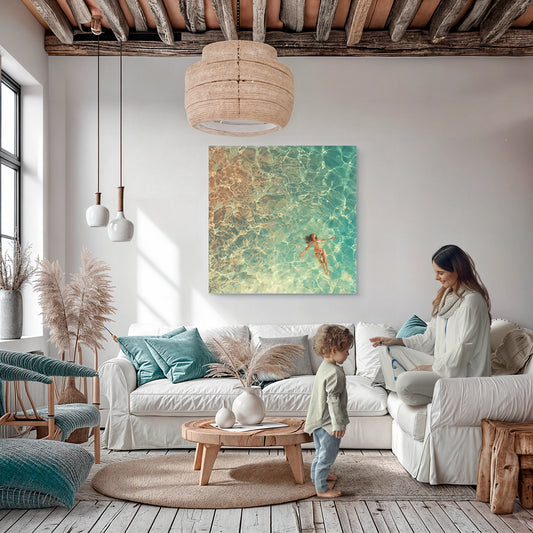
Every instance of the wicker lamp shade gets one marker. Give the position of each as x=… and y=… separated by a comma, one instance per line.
x=239, y=88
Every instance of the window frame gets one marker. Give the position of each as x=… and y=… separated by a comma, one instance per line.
x=12, y=160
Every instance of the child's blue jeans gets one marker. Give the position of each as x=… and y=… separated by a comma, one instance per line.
x=326, y=450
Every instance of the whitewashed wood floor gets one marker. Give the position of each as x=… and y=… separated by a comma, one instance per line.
x=325, y=516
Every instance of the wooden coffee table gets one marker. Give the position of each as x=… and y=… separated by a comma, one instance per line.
x=210, y=439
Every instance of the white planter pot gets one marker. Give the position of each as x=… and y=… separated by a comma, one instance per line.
x=10, y=314
x=249, y=407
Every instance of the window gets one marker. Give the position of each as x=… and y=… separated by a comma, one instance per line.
x=10, y=163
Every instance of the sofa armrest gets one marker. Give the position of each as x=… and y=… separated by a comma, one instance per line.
x=118, y=380
x=466, y=401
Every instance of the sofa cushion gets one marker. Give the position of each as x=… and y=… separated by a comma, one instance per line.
x=203, y=396
x=135, y=349
x=296, y=330
x=301, y=365
x=291, y=396
x=183, y=357
x=413, y=326
x=411, y=419
x=367, y=356
x=498, y=329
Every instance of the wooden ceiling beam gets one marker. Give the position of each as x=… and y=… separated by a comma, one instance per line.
x=444, y=17
x=355, y=22
x=193, y=12
x=224, y=12
x=400, y=17
x=57, y=21
x=500, y=18
x=292, y=14
x=138, y=15
x=162, y=22
x=326, y=14
x=259, y=20
x=475, y=16
x=80, y=12
x=515, y=42
x=115, y=18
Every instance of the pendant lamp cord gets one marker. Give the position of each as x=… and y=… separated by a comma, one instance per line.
x=120, y=113
x=98, y=118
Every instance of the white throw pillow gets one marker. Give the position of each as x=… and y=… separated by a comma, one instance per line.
x=498, y=329
x=366, y=356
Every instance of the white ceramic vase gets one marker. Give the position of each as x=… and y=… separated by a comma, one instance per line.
x=248, y=407
x=225, y=418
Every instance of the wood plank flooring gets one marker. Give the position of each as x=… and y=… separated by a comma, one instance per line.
x=325, y=516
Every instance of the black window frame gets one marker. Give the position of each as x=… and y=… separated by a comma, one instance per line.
x=12, y=160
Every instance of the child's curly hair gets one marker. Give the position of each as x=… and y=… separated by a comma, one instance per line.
x=331, y=338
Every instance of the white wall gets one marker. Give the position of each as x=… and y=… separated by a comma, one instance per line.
x=444, y=147
x=23, y=57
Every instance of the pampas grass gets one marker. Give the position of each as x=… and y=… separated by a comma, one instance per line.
x=239, y=360
x=76, y=313
x=15, y=269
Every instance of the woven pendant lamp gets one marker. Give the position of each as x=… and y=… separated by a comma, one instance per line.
x=239, y=88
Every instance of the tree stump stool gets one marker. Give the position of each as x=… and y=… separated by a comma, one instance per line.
x=505, y=467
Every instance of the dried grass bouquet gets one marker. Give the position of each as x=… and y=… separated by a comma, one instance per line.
x=239, y=360
x=77, y=312
x=16, y=268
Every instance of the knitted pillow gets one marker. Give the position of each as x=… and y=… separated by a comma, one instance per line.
x=39, y=473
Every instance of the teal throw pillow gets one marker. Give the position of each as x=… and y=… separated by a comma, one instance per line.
x=183, y=357
x=413, y=326
x=135, y=349
x=39, y=473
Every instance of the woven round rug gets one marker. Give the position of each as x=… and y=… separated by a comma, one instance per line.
x=237, y=480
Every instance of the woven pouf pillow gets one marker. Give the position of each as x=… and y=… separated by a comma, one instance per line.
x=41, y=473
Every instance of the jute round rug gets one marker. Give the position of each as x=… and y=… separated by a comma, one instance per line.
x=237, y=480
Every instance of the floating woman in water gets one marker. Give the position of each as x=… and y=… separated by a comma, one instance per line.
x=320, y=253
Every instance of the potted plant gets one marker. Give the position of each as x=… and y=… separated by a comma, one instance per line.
x=15, y=270
x=239, y=360
x=75, y=314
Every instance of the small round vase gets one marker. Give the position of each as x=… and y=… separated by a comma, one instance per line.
x=248, y=407
x=225, y=418
x=10, y=314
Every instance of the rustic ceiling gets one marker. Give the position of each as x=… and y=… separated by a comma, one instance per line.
x=293, y=27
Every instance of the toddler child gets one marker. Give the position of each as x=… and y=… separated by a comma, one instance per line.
x=327, y=416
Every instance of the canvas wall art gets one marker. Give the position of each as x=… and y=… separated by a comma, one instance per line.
x=282, y=220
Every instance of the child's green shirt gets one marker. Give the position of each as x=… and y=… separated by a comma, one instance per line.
x=327, y=408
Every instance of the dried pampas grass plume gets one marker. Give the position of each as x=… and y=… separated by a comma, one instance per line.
x=239, y=360
x=77, y=312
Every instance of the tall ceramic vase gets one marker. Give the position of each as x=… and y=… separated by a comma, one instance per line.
x=72, y=395
x=248, y=407
x=10, y=314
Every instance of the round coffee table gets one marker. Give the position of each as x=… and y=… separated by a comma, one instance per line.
x=210, y=439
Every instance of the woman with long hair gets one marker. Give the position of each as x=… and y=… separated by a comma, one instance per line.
x=456, y=342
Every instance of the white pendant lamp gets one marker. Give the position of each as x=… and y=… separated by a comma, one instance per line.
x=97, y=215
x=120, y=229
x=239, y=88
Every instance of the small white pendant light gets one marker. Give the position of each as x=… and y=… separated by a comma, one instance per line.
x=120, y=229
x=97, y=215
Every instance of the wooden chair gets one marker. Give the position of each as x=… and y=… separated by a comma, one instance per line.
x=55, y=422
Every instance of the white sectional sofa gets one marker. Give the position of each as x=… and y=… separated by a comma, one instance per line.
x=437, y=444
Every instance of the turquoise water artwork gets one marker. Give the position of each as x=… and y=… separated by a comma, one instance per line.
x=282, y=220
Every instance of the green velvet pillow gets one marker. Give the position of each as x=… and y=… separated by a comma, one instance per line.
x=41, y=473
x=183, y=357
x=413, y=326
x=135, y=349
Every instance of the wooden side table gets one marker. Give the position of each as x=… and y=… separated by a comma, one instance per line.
x=505, y=467
x=210, y=439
